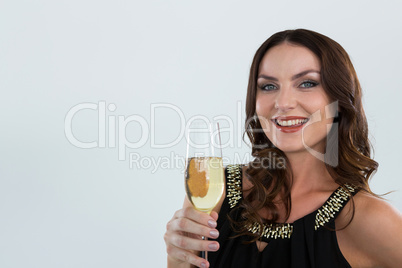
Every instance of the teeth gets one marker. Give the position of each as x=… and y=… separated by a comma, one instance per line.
x=291, y=122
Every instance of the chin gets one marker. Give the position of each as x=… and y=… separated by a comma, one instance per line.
x=292, y=150
x=289, y=147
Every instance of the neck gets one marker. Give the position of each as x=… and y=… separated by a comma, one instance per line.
x=309, y=173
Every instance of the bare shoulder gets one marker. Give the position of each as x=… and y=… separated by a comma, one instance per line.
x=374, y=236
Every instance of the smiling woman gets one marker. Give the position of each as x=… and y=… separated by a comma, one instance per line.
x=303, y=107
x=289, y=93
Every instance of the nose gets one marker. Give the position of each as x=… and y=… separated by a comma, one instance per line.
x=285, y=100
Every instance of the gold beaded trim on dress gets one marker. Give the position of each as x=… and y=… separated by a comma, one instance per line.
x=285, y=230
x=333, y=205
x=233, y=185
x=234, y=193
x=274, y=231
x=323, y=216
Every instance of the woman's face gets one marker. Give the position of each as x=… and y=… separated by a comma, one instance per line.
x=291, y=101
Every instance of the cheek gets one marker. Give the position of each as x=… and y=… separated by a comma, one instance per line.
x=263, y=106
x=318, y=106
x=317, y=131
x=263, y=111
x=258, y=106
x=317, y=101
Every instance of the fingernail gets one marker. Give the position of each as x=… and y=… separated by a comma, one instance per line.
x=213, y=246
x=212, y=223
x=214, y=233
x=203, y=265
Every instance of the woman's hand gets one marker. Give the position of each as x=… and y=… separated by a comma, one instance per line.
x=183, y=237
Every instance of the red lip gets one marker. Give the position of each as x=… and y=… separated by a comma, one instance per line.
x=288, y=129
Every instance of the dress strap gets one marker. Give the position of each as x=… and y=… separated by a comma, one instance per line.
x=334, y=205
x=234, y=184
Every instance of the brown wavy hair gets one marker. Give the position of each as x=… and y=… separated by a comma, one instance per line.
x=349, y=138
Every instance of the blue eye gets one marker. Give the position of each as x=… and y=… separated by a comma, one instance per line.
x=268, y=87
x=308, y=84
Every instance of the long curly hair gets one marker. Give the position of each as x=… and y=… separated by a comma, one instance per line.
x=349, y=139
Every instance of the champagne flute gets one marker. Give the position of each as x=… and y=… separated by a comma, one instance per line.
x=204, y=174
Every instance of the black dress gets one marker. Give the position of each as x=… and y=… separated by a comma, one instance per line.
x=305, y=243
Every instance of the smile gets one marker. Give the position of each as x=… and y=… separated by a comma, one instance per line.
x=289, y=124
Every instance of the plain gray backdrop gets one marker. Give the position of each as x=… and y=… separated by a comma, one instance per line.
x=66, y=206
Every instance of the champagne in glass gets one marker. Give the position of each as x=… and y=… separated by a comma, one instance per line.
x=204, y=176
x=204, y=182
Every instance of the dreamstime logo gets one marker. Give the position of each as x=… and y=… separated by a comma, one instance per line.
x=112, y=133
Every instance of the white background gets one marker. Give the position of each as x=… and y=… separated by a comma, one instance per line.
x=62, y=206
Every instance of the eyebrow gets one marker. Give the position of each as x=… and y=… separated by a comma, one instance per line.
x=293, y=77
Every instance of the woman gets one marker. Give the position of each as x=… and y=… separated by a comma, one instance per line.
x=315, y=208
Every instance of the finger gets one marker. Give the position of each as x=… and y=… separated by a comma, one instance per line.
x=214, y=215
x=189, y=226
x=189, y=243
x=187, y=256
x=197, y=216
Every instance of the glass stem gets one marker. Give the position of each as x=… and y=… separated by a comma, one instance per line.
x=204, y=254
